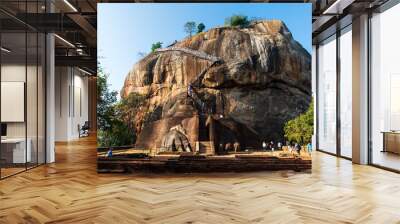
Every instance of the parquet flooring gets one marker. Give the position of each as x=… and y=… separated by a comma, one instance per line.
x=71, y=191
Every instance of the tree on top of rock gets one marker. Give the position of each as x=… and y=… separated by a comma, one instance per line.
x=237, y=20
x=156, y=45
x=200, y=27
x=190, y=27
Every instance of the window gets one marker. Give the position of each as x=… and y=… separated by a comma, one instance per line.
x=385, y=89
x=23, y=93
x=327, y=95
x=346, y=92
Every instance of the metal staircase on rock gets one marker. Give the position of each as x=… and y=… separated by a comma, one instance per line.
x=202, y=106
x=200, y=54
x=204, y=109
x=197, y=53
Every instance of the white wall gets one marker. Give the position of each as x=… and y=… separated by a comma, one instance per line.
x=33, y=126
x=71, y=102
x=62, y=82
x=16, y=73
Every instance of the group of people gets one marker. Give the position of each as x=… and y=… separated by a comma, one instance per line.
x=229, y=147
x=267, y=146
x=271, y=146
x=294, y=147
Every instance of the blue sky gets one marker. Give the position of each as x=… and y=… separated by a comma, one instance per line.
x=126, y=29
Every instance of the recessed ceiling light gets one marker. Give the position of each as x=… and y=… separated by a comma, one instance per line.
x=5, y=50
x=337, y=7
x=64, y=40
x=84, y=71
x=70, y=5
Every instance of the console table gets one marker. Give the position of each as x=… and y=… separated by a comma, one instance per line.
x=13, y=150
x=391, y=141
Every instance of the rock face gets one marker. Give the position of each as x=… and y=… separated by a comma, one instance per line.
x=249, y=80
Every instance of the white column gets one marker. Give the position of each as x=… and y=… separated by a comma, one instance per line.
x=50, y=94
x=360, y=90
x=314, y=92
x=62, y=103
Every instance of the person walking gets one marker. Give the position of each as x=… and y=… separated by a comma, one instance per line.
x=109, y=153
x=189, y=90
x=279, y=146
x=298, y=148
x=228, y=147
x=291, y=147
x=264, y=146
x=236, y=146
x=309, y=147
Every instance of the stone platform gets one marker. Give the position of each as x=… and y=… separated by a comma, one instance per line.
x=202, y=163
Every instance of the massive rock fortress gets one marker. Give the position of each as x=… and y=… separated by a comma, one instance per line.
x=250, y=81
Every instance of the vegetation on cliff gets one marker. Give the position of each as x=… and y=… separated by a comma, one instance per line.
x=156, y=46
x=116, y=119
x=237, y=20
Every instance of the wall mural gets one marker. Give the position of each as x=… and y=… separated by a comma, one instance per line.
x=232, y=95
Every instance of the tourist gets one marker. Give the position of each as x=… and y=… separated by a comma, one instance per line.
x=228, y=147
x=292, y=146
x=309, y=147
x=264, y=145
x=236, y=146
x=109, y=153
x=189, y=90
x=272, y=146
x=188, y=148
x=288, y=146
x=298, y=148
x=279, y=145
x=268, y=145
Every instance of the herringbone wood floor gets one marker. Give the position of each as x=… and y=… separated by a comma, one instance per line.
x=70, y=191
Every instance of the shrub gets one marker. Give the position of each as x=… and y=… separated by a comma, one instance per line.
x=116, y=119
x=156, y=46
x=301, y=128
x=200, y=27
x=237, y=20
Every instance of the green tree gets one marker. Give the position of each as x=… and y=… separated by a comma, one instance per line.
x=301, y=128
x=156, y=46
x=115, y=119
x=190, y=27
x=237, y=20
x=200, y=27
x=129, y=107
x=105, y=101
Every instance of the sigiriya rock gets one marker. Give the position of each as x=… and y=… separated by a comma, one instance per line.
x=224, y=86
